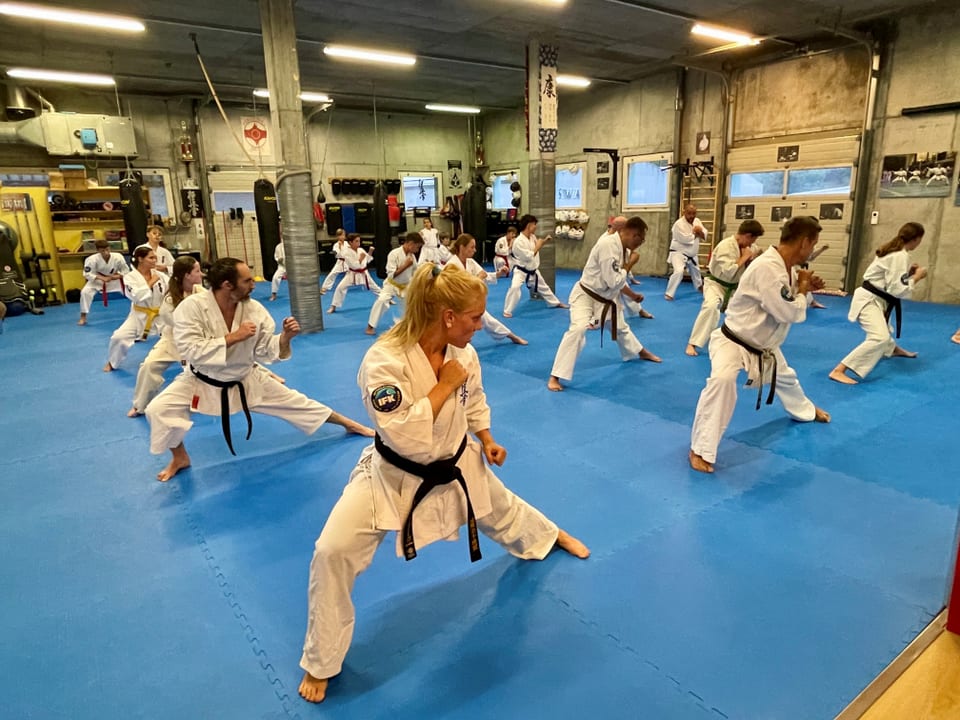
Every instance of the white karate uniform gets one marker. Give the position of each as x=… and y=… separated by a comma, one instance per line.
x=379, y=496
x=430, y=252
x=96, y=265
x=604, y=275
x=684, y=252
x=630, y=307
x=723, y=266
x=164, y=257
x=281, y=273
x=493, y=327
x=395, y=286
x=890, y=273
x=339, y=266
x=200, y=336
x=357, y=274
x=526, y=260
x=144, y=308
x=761, y=312
x=501, y=254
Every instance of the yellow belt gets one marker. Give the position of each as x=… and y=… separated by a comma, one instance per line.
x=401, y=286
x=151, y=314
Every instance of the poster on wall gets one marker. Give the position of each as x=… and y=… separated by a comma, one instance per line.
x=744, y=212
x=256, y=137
x=603, y=167
x=831, y=211
x=548, y=99
x=603, y=183
x=781, y=213
x=454, y=168
x=917, y=175
x=703, y=143
x=788, y=153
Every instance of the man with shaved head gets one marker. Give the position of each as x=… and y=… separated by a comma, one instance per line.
x=685, y=238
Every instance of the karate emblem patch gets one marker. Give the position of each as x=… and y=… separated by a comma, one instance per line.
x=616, y=265
x=786, y=294
x=386, y=398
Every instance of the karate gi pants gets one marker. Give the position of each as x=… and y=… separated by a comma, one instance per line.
x=719, y=396
x=338, y=269
x=349, y=540
x=678, y=261
x=517, y=281
x=494, y=328
x=125, y=336
x=709, y=317
x=350, y=279
x=388, y=292
x=278, y=276
x=92, y=288
x=150, y=375
x=879, y=343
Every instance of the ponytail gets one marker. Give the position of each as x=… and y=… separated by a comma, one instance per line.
x=907, y=233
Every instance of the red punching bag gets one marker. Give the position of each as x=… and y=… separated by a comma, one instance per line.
x=393, y=211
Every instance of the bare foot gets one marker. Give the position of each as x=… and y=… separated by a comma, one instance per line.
x=178, y=462
x=839, y=375
x=508, y=315
x=647, y=355
x=370, y=330
x=351, y=426
x=331, y=309
x=699, y=464
x=516, y=339
x=568, y=542
x=900, y=352
x=553, y=384
x=272, y=298
x=108, y=368
x=562, y=306
x=668, y=297
x=646, y=315
x=82, y=321
x=956, y=337
x=313, y=689
x=817, y=305
x=133, y=412
x=822, y=416
x=691, y=350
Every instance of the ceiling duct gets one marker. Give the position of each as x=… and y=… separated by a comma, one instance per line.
x=17, y=107
x=74, y=135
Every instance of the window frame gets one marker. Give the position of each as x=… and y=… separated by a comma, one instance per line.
x=494, y=176
x=582, y=166
x=438, y=176
x=783, y=184
x=843, y=193
x=665, y=158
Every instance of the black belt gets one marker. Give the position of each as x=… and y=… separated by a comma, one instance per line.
x=225, y=386
x=536, y=277
x=693, y=258
x=435, y=474
x=893, y=302
x=607, y=305
x=761, y=354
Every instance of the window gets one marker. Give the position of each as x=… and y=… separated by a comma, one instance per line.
x=820, y=181
x=502, y=194
x=647, y=180
x=421, y=189
x=570, y=186
x=756, y=184
x=226, y=200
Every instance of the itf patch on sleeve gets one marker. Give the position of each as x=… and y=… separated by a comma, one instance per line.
x=386, y=398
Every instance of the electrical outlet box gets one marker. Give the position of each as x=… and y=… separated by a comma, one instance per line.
x=874, y=218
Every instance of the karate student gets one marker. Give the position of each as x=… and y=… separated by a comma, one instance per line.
x=431, y=242
x=768, y=300
x=630, y=306
x=526, y=256
x=281, y=273
x=424, y=476
x=164, y=256
x=602, y=282
x=727, y=263
x=501, y=252
x=220, y=335
x=401, y=264
x=889, y=277
x=685, y=237
x=357, y=260
x=104, y=271
x=464, y=248
x=339, y=265
x=145, y=288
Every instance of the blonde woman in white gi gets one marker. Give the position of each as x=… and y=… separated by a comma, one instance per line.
x=164, y=256
x=281, y=273
x=339, y=265
x=597, y=294
x=222, y=336
x=104, y=271
x=727, y=262
x=685, y=237
x=401, y=264
x=501, y=252
x=424, y=477
x=145, y=288
x=768, y=300
x=357, y=260
x=890, y=277
x=526, y=267
x=464, y=248
x=431, y=242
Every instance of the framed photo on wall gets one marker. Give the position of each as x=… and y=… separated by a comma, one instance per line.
x=744, y=212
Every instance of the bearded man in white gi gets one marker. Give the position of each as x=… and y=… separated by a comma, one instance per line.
x=768, y=300
x=603, y=281
x=685, y=237
x=103, y=271
x=401, y=264
x=220, y=335
x=526, y=267
x=727, y=263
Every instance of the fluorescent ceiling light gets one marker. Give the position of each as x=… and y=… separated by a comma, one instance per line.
x=310, y=97
x=352, y=53
x=466, y=109
x=72, y=17
x=60, y=77
x=573, y=81
x=731, y=36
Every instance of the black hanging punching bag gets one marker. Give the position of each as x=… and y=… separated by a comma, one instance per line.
x=134, y=213
x=381, y=229
x=268, y=223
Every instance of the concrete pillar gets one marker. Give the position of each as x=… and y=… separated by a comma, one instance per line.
x=296, y=206
x=539, y=197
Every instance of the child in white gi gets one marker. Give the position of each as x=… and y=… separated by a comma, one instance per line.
x=164, y=256
x=526, y=267
x=339, y=265
x=104, y=273
x=281, y=273
x=431, y=242
x=357, y=260
x=501, y=252
x=145, y=288
x=401, y=264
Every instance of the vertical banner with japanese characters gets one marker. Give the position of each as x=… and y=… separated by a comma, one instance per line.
x=548, y=98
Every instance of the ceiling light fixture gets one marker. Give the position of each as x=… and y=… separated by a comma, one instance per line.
x=352, y=53
x=70, y=78
x=574, y=81
x=72, y=17
x=717, y=33
x=465, y=109
x=308, y=97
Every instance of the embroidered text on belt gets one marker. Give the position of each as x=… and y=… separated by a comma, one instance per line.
x=225, y=386
x=728, y=288
x=151, y=314
x=607, y=306
x=893, y=302
x=439, y=472
x=762, y=355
